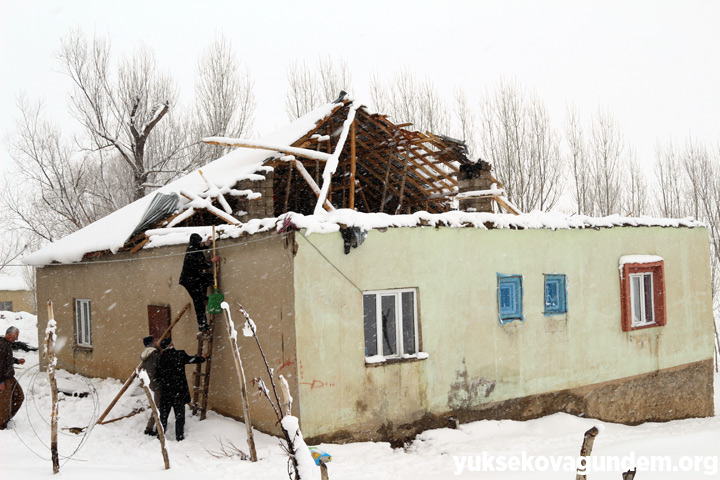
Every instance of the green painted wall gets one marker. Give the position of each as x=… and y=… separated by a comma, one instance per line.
x=473, y=359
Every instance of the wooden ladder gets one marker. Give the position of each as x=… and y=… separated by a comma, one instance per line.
x=201, y=374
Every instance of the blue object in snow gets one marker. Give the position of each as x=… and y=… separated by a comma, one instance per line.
x=319, y=455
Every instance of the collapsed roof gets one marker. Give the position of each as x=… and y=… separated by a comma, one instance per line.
x=307, y=167
x=337, y=164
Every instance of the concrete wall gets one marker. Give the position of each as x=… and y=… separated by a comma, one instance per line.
x=23, y=300
x=256, y=271
x=474, y=361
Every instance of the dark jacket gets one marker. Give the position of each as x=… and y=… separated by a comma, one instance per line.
x=170, y=374
x=149, y=358
x=194, y=273
x=7, y=371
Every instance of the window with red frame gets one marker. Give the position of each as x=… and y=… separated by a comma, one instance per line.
x=642, y=293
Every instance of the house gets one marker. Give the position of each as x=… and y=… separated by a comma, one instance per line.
x=16, y=295
x=388, y=309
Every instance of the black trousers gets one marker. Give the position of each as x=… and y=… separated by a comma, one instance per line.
x=179, y=409
x=199, y=297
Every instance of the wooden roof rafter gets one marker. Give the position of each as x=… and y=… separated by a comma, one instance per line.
x=417, y=138
x=397, y=171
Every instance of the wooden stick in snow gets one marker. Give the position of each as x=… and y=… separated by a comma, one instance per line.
x=128, y=382
x=161, y=432
x=50, y=352
x=586, y=449
x=232, y=335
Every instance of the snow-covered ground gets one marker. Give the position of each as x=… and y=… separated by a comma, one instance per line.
x=120, y=450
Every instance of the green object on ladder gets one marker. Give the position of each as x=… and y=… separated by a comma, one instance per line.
x=214, y=302
x=215, y=299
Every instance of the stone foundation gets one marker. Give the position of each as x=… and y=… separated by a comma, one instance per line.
x=685, y=391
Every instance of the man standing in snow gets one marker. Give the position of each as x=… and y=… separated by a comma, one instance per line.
x=174, y=389
x=149, y=358
x=11, y=395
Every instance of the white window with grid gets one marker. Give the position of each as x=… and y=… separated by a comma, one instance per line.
x=641, y=299
x=391, y=324
x=83, y=323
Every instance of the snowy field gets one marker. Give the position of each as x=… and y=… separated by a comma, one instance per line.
x=547, y=447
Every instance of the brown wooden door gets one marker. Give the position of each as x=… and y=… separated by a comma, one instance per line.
x=158, y=319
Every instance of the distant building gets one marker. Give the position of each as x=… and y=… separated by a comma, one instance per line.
x=16, y=295
x=391, y=291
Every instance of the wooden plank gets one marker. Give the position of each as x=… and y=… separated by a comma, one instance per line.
x=50, y=352
x=352, y=165
x=411, y=180
x=301, y=168
x=156, y=415
x=506, y=206
x=288, y=150
x=243, y=386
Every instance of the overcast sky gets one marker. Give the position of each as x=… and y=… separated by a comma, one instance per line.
x=654, y=64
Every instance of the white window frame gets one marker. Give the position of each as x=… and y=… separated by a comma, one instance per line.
x=638, y=319
x=399, y=340
x=83, y=323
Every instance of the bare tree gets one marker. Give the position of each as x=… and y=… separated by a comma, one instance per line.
x=518, y=139
x=465, y=118
x=605, y=148
x=636, y=191
x=118, y=110
x=335, y=77
x=578, y=162
x=409, y=100
x=669, y=191
x=11, y=248
x=224, y=100
x=309, y=88
x=61, y=201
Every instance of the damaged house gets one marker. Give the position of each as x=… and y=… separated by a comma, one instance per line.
x=394, y=286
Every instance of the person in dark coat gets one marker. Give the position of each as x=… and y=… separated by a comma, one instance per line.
x=149, y=358
x=196, y=278
x=174, y=389
x=11, y=394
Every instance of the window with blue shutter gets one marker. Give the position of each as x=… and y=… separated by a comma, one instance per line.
x=509, y=297
x=555, y=294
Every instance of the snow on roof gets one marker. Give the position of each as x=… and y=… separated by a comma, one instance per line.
x=13, y=283
x=111, y=232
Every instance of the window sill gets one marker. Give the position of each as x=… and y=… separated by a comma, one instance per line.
x=377, y=360
x=81, y=348
x=505, y=321
x=643, y=326
x=554, y=314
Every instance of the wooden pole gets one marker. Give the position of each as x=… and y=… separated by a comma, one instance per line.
x=243, y=388
x=129, y=381
x=586, y=448
x=352, y=165
x=323, y=471
x=50, y=352
x=160, y=430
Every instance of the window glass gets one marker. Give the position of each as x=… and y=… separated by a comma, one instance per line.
x=408, y=322
x=509, y=297
x=648, y=298
x=370, y=321
x=389, y=324
x=555, y=294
